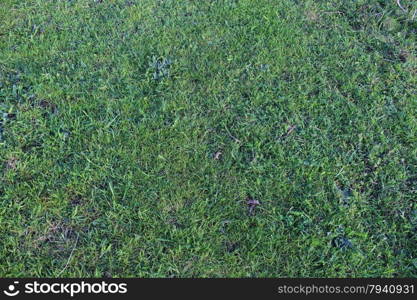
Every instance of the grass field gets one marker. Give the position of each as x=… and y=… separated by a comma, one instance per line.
x=229, y=138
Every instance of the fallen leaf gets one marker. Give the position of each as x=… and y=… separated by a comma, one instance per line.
x=217, y=155
x=11, y=163
x=252, y=204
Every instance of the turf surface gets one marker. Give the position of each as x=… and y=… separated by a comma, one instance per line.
x=232, y=138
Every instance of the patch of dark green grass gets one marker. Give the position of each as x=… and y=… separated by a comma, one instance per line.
x=228, y=138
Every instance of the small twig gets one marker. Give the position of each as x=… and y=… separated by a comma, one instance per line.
x=289, y=131
x=333, y=12
x=402, y=8
x=234, y=138
x=69, y=258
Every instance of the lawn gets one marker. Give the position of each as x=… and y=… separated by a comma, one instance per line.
x=228, y=138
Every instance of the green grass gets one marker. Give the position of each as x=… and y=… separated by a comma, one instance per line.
x=133, y=134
